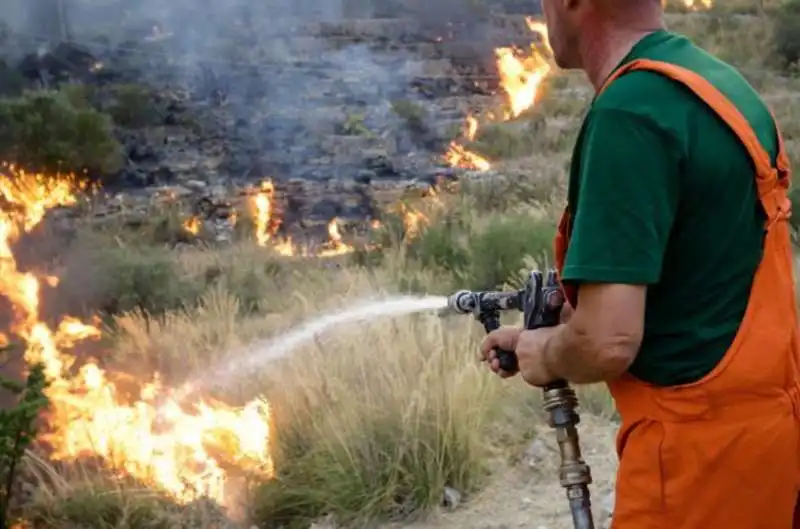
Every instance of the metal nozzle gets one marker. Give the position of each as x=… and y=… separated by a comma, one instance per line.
x=463, y=302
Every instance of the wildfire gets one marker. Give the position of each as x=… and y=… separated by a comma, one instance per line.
x=521, y=75
x=458, y=155
x=694, y=5
x=267, y=221
x=192, y=225
x=698, y=4
x=205, y=452
x=335, y=245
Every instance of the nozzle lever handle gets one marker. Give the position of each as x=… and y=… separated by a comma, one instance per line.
x=507, y=359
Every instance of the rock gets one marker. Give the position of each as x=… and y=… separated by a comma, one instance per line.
x=195, y=185
x=451, y=498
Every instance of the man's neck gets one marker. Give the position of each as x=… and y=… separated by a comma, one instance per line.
x=607, y=49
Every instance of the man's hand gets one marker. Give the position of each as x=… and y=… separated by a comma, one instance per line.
x=529, y=347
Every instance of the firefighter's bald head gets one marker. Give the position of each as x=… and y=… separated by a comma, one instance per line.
x=573, y=24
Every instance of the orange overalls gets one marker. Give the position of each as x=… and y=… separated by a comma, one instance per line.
x=723, y=452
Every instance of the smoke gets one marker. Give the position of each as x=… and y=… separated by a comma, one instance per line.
x=281, y=78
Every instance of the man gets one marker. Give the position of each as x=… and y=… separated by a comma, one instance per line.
x=674, y=253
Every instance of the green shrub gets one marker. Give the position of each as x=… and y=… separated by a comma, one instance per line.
x=133, y=106
x=413, y=114
x=498, y=252
x=18, y=430
x=143, y=278
x=786, y=36
x=46, y=130
x=443, y=245
x=794, y=196
x=487, y=256
x=93, y=507
x=507, y=141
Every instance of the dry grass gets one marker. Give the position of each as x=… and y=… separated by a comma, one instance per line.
x=375, y=419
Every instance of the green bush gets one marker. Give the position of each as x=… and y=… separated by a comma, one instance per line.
x=143, y=278
x=487, y=256
x=92, y=507
x=787, y=33
x=498, y=252
x=18, y=430
x=507, y=141
x=794, y=196
x=133, y=106
x=49, y=131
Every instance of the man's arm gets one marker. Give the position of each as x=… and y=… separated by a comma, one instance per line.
x=627, y=200
x=602, y=338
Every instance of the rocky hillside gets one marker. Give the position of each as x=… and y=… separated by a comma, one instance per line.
x=212, y=100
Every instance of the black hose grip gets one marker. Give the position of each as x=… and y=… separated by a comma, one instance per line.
x=507, y=360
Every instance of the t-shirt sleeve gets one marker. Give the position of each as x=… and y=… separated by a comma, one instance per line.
x=626, y=202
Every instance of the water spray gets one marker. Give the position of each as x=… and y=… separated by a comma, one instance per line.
x=540, y=302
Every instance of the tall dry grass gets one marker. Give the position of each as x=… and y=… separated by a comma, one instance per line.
x=369, y=419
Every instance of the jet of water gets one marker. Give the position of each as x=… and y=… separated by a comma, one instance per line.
x=262, y=352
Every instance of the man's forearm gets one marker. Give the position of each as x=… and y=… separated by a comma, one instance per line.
x=572, y=355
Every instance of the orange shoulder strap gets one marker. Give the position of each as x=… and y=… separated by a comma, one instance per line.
x=772, y=182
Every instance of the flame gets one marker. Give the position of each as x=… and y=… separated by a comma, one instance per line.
x=413, y=221
x=335, y=245
x=192, y=225
x=267, y=223
x=267, y=220
x=521, y=75
x=205, y=452
x=459, y=156
x=694, y=5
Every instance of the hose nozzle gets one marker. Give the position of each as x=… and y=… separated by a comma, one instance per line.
x=463, y=302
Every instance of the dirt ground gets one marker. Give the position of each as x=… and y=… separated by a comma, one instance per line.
x=528, y=494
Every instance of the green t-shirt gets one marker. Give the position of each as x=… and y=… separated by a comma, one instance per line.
x=663, y=194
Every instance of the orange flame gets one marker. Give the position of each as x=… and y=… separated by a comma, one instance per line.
x=192, y=225
x=267, y=220
x=521, y=75
x=335, y=245
x=694, y=5
x=202, y=453
x=267, y=223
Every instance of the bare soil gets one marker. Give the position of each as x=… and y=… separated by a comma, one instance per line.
x=528, y=494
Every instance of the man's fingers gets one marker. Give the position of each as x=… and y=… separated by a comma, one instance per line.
x=503, y=338
x=494, y=364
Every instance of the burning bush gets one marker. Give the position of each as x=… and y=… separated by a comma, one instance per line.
x=50, y=131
